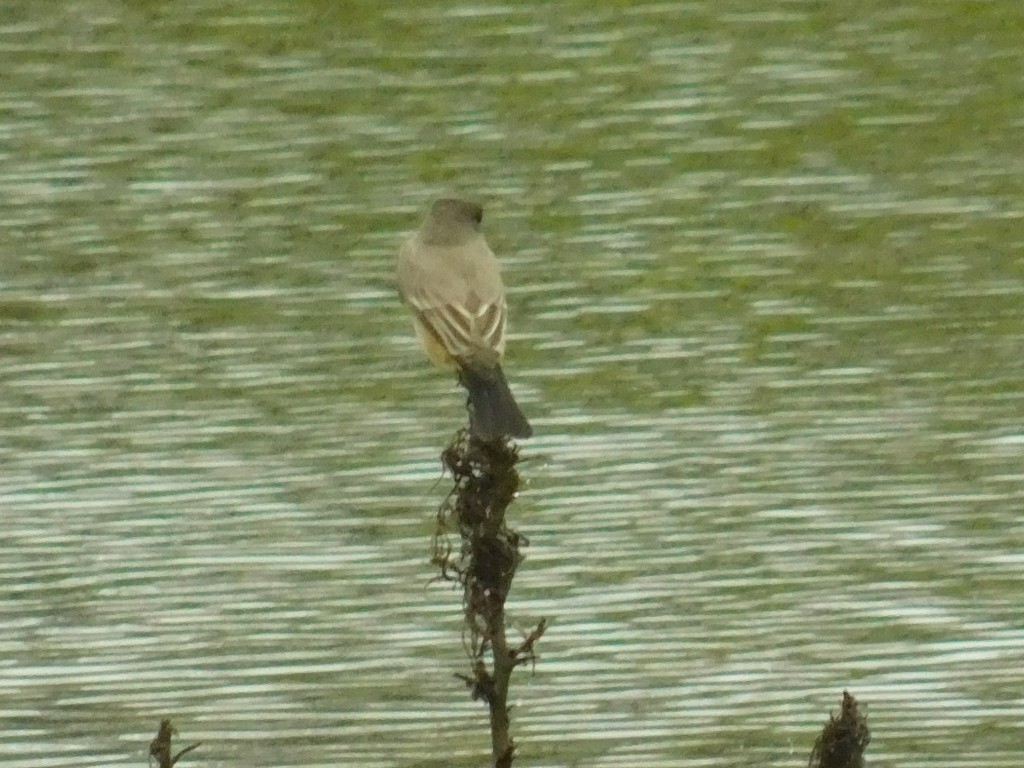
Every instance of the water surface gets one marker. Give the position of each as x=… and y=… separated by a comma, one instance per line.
x=765, y=276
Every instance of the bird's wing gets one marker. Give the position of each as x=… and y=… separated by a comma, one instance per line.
x=469, y=322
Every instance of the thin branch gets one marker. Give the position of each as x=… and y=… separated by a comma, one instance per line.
x=486, y=483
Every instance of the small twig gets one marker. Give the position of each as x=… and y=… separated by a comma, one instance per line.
x=843, y=739
x=525, y=653
x=160, y=747
x=481, y=684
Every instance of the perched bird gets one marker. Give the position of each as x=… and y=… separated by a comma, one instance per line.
x=450, y=280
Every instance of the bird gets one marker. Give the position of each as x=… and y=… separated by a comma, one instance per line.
x=450, y=280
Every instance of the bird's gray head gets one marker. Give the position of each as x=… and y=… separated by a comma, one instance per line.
x=451, y=222
x=453, y=210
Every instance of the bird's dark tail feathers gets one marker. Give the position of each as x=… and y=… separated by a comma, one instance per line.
x=494, y=413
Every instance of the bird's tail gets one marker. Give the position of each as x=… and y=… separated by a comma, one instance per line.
x=494, y=413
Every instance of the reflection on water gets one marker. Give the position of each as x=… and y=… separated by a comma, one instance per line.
x=766, y=288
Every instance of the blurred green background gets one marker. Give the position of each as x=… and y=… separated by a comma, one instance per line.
x=765, y=275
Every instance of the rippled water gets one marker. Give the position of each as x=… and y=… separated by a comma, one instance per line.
x=765, y=272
